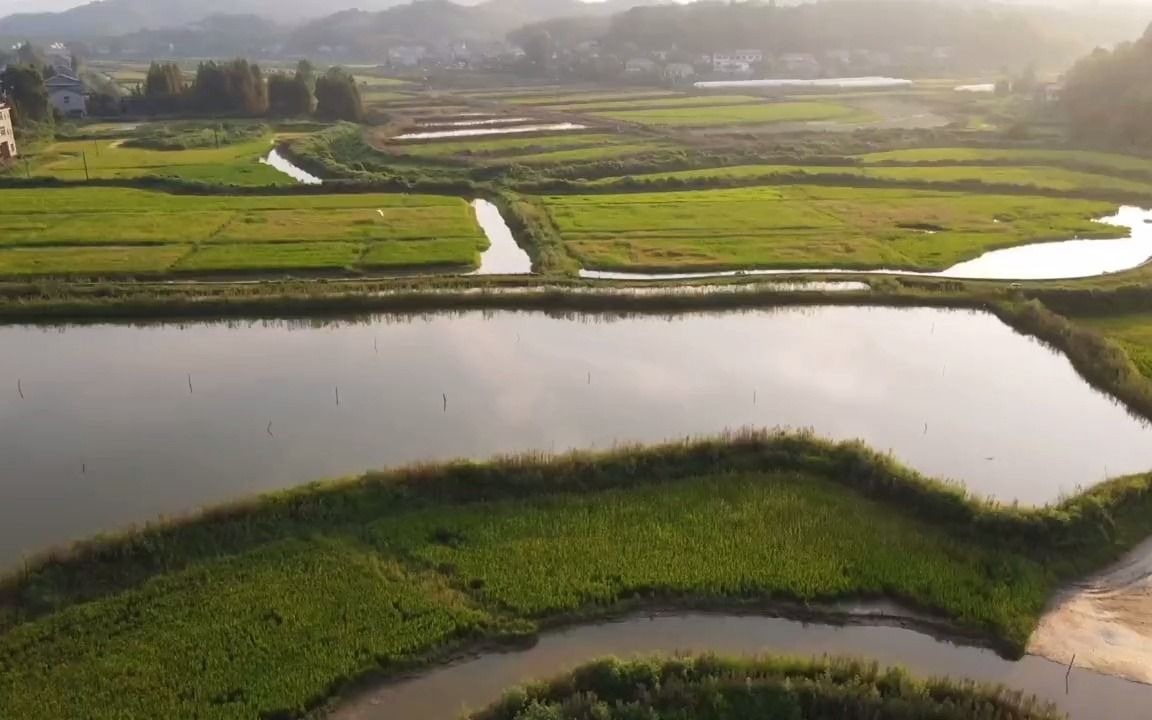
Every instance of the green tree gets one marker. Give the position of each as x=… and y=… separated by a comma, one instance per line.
x=1108, y=95
x=289, y=96
x=23, y=86
x=338, y=97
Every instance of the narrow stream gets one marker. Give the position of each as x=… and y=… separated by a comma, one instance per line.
x=284, y=165
x=503, y=256
x=1061, y=260
x=445, y=693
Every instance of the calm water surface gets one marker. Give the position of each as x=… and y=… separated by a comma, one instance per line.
x=446, y=693
x=109, y=432
x=478, y=132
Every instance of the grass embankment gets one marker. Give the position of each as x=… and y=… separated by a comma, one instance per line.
x=1132, y=332
x=768, y=687
x=1025, y=178
x=196, y=618
x=742, y=114
x=1087, y=159
x=235, y=164
x=534, y=150
x=99, y=231
x=810, y=227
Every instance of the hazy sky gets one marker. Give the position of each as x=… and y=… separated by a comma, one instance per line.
x=10, y=6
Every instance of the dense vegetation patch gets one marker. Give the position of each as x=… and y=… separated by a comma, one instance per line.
x=186, y=136
x=374, y=574
x=769, y=687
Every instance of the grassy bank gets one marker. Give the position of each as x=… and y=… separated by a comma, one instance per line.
x=195, y=618
x=809, y=227
x=736, y=689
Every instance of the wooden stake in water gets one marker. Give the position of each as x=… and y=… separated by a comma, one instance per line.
x=189, y=383
x=1068, y=675
x=589, y=377
x=753, y=397
x=376, y=345
x=270, y=429
x=20, y=388
x=337, y=396
x=83, y=468
x=445, y=395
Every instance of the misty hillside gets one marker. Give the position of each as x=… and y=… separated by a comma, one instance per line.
x=120, y=17
x=431, y=21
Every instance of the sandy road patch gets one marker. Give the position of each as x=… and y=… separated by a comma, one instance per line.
x=1104, y=621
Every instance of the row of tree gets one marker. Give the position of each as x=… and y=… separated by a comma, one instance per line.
x=239, y=88
x=1108, y=96
x=22, y=86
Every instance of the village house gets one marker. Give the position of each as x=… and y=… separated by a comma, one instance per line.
x=736, y=61
x=7, y=134
x=678, y=71
x=639, y=66
x=799, y=65
x=67, y=95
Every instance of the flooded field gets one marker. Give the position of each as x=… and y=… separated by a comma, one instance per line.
x=107, y=425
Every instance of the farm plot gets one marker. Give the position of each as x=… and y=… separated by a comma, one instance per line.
x=743, y=114
x=1026, y=177
x=810, y=227
x=95, y=231
x=237, y=164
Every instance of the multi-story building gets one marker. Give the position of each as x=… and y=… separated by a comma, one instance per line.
x=7, y=134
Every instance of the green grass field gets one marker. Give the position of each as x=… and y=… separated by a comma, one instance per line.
x=1133, y=332
x=223, y=638
x=1040, y=177
x=1024, y=156
x=682, y=101
x=749, y=114
x=230, y=165
x=511, y=145
x=562, y=96
x=206, y=618
x=88, y=231
x=809, y=227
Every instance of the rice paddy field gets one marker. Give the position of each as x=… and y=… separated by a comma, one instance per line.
x=382, y=582
x=237, y=164
x=1057, y=179
x=742, y=114
x=807, y=226
x=1024, y=156
x=97, y=231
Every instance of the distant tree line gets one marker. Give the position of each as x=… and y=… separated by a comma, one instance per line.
x=1108, y=96
x=240, y=89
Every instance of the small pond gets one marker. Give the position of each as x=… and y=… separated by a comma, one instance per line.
x=106, y=425
x=446, y=693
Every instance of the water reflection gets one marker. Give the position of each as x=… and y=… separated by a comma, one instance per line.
x=118, y=424
x=446, y=693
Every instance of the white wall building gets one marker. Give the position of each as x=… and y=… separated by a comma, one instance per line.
x=736, y=61
x=7, y=134
x=67, y=95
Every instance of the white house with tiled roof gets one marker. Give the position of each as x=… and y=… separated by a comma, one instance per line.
x=67, y=94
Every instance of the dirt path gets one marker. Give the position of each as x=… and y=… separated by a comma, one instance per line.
x=1105, y=620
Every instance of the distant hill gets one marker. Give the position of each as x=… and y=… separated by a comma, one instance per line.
x=434, y=21
x=109, y=18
